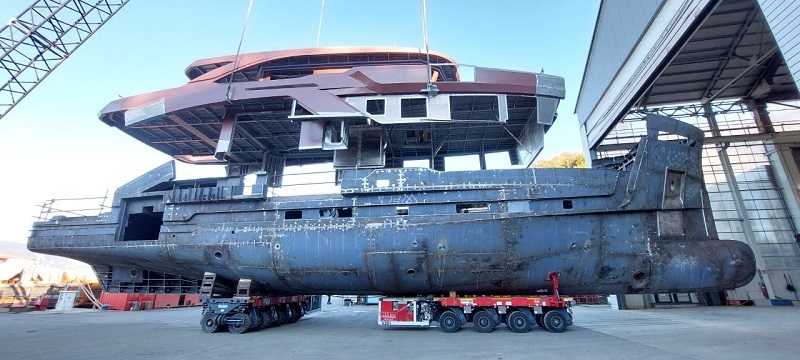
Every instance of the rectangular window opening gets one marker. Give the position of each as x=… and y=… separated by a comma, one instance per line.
x=335, y=131
x=336, y=213
x=413, y=108
x=567, y=204
x=475, y=107
x=285, y=74
x=143, y=226
x=402, y=210
x=293, y=214
x=376, y=107
x=472, y=208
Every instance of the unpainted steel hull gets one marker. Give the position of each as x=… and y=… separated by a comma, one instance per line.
x=643, y=229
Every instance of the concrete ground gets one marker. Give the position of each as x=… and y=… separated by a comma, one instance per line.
x=352, y=332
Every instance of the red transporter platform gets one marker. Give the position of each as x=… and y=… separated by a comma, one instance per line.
x=519, y=313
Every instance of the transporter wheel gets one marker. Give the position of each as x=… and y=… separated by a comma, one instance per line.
x=242, y=325
x=301, y=310
x=274, y=319
x=483, y=321
x=265, y=321
x=208, y=324
x=449, y=321
x=256, y=321
x=283, y=314
x=297, y=312
x=554, y=321
x=539, y=321
x=518, y=322
x=289, y=313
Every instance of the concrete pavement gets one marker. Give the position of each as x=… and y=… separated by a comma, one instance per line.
x=352, y=332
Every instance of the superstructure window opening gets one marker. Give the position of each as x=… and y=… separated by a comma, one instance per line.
x=376, y=106
x=413, y=108
x=285, y=74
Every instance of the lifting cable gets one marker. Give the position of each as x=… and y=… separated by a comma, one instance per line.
x=228, y=94
x=319, y=27
x=430, y=89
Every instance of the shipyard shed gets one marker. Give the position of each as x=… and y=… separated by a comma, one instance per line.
x=730, y=67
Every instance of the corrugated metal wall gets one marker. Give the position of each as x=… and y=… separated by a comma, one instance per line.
x=620, y=24
x=782, y=17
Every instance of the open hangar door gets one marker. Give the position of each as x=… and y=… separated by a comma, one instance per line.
x=731, y=68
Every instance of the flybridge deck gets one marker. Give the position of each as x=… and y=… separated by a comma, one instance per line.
x=355, y=107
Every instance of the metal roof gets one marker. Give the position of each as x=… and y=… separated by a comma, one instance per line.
x=693, y=51
x=732, y=55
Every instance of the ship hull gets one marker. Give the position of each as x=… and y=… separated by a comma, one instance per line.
x=489, y=256
x=644, y=228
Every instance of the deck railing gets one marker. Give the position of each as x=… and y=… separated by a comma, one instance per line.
x=89, y=206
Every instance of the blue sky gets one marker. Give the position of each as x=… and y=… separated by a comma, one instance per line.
x=53, y=146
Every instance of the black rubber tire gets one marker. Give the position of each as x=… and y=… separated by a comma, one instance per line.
x=518, y=322
x=207, y=323
x=483, y=322
x=539, y=322
x=243, y=324
x=255, y=320
x=297, y=312
x=449, y=321
x=554, y=321
x=283, y=315
x=300, y=310
x=264, y=314
x=274, y=319
x=289, y=313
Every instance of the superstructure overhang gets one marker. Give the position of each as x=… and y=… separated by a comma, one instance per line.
x=359, y=107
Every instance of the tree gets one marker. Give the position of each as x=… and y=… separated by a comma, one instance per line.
x=563, y=160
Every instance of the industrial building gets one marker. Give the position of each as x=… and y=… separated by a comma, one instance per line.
x=731, y=68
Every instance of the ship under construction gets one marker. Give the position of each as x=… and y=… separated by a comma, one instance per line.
x=638, y=223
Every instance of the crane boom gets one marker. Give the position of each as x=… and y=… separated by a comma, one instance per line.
x=44, y=35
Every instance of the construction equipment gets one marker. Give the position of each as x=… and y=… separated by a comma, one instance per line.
x=248, y=311
x=39, y=39
x=519, y=313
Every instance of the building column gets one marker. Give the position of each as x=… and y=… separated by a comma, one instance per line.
x=788, y=176
x=744, y=219
x=482, y=159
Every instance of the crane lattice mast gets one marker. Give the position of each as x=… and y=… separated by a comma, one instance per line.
x=37, y=41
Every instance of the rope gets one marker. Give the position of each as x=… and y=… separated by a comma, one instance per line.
x=228, y=94
x=319, y=28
